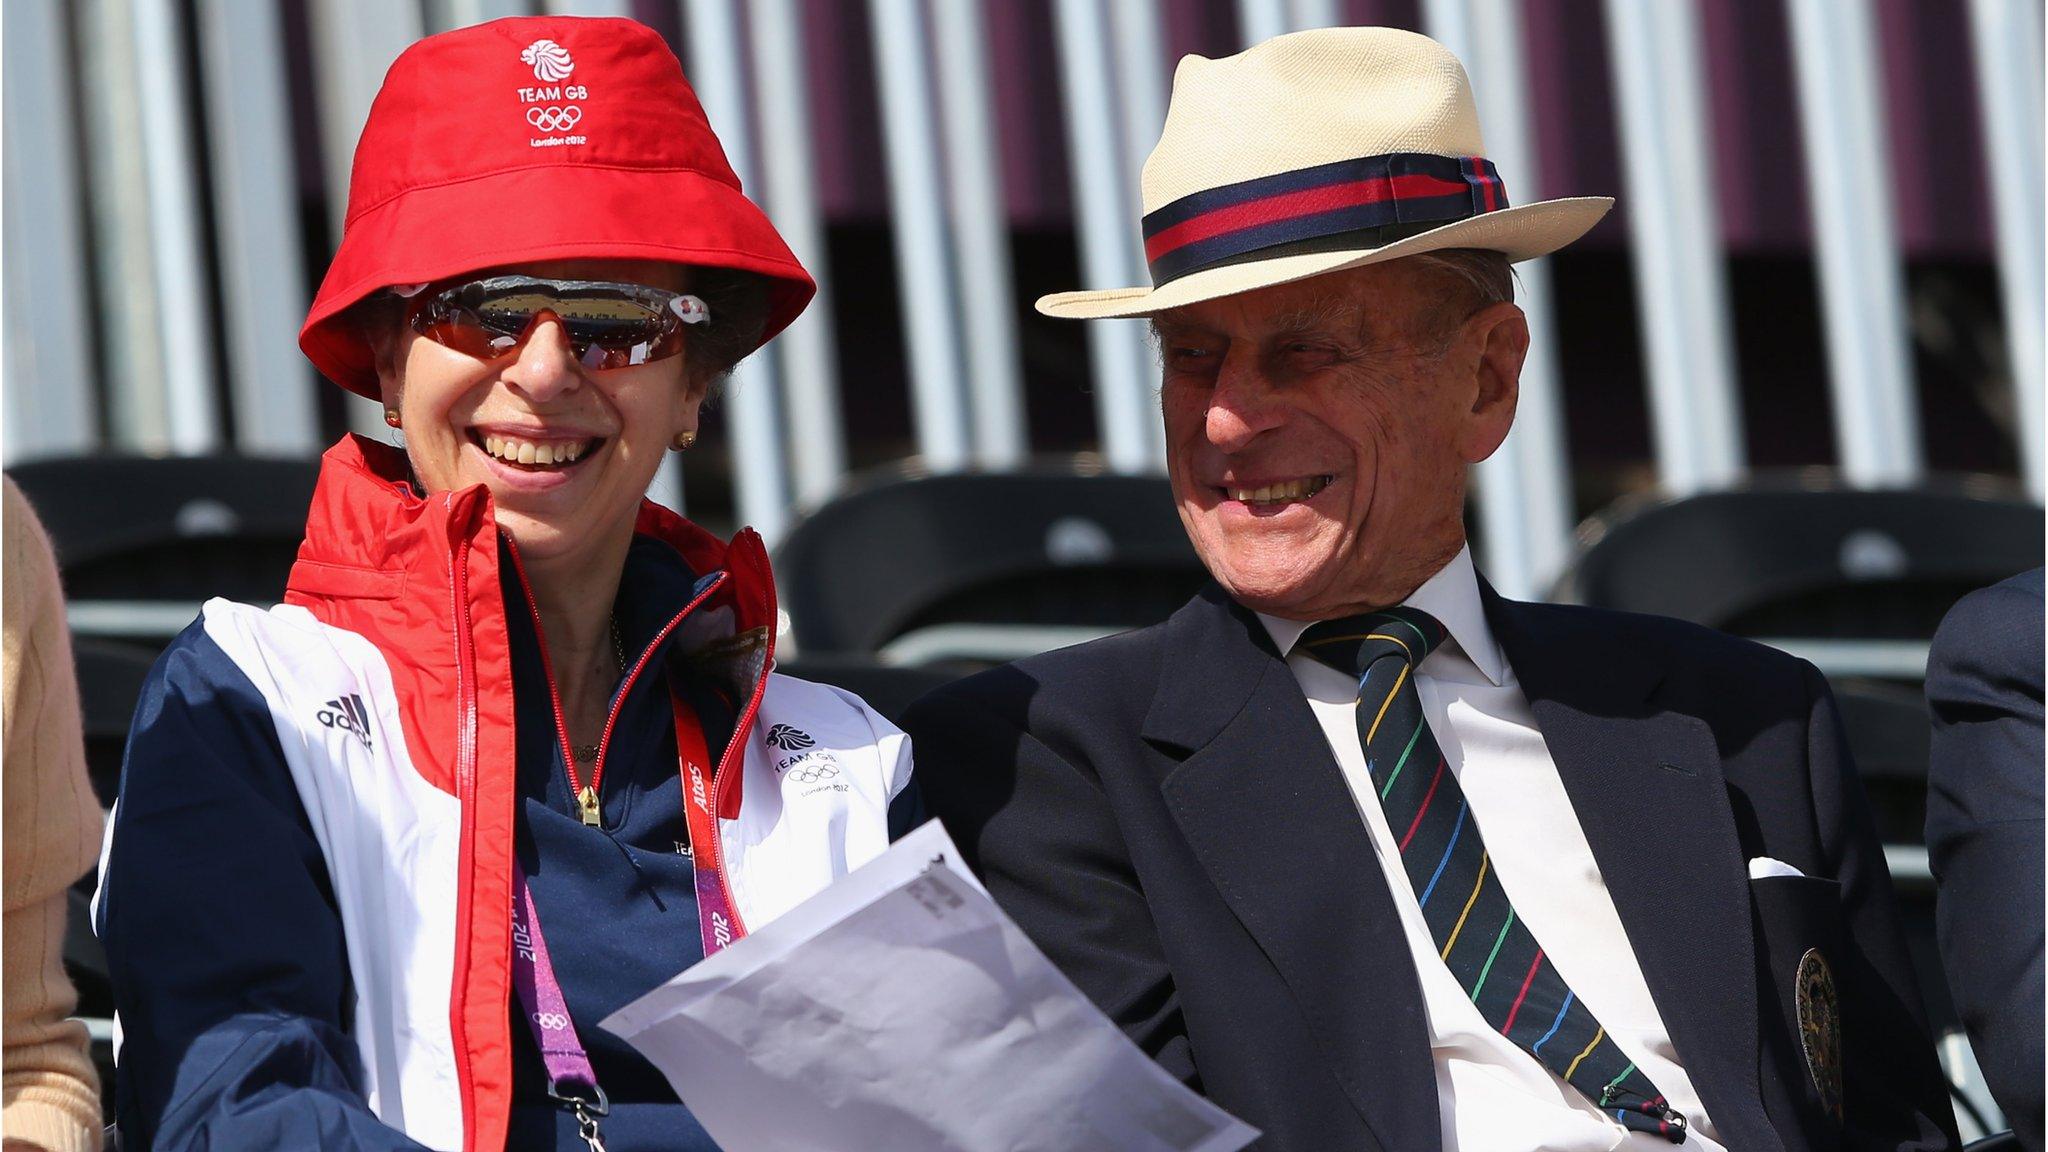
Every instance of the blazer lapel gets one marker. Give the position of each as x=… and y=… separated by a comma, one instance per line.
x=1646, y=783
x=1266, y=810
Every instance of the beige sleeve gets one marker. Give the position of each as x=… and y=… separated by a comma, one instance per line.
x=50, y=832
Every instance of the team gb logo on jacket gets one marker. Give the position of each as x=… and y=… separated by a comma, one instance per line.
x=551, y=107
x=810, y=768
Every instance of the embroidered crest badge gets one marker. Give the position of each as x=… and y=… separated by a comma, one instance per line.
x=1820, y=1029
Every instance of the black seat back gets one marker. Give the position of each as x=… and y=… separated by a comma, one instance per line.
x=1041, y=548
x=138, y=528
x=1783, y=558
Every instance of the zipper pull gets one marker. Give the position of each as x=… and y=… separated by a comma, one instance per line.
x=593, y=814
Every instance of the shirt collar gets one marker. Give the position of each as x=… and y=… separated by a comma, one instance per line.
x=1452, y=596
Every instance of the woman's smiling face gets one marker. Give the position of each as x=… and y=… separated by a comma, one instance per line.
x=566, y=452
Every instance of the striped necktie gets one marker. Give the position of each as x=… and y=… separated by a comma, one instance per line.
x=1490, y=952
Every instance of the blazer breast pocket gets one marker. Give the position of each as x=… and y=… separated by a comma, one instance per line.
x=1795, y=913
x=1800, y=946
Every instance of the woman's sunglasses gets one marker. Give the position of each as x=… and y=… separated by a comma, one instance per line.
x=609, y=324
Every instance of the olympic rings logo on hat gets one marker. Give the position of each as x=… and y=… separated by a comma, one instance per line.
x=553, y=119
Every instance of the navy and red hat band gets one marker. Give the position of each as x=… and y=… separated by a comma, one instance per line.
x=1362, y=203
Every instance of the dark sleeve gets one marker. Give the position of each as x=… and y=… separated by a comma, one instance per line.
x=221, y=932
x=1894, y=1094
x=907, y=810
x=1984, y=834
x=1039, y=832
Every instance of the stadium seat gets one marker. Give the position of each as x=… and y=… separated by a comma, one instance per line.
x=1887, y=727
x=1855, y=580
x=984, y=568
x=143, y=540
x=887, y=689
x=1888, y=730
x=110, y=677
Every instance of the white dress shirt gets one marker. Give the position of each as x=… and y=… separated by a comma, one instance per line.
x=1494, y=1097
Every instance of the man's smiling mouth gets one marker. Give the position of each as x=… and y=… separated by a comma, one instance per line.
x=1271, y=494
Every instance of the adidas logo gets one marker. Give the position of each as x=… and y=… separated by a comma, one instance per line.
x=348, y=714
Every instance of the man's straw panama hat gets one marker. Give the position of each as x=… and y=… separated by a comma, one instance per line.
x=1313, y=153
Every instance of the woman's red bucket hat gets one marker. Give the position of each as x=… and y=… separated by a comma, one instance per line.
x=536, y=138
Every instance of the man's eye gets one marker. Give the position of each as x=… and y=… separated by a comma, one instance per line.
x=1307, y=353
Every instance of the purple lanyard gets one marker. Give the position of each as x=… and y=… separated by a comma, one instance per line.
x=554, y=1033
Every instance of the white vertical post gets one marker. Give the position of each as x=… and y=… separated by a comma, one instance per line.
x=981, y=244
x=263, y=279
x=1306, y=14
x=49, y=371
x=170, y=156
x=1525, y=498
x=754, y=394
x=1138, y=42
x=817, y=434
x=1108, y=213
x=1142, y=85
x=454, y=14
x=137, y=404
x=2007, y=34
x=1261, y=20
x=354, y=43
x=1862, y=292
x=1681, y=289
x=917, y=222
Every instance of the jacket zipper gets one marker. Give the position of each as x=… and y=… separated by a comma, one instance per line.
x=589, y=797
x=604, y=740
x=585, y=798
x=465, y=794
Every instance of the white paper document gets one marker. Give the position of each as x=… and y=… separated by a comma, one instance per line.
x=900, y=1010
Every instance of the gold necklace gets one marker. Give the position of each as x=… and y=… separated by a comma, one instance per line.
x=587, y=799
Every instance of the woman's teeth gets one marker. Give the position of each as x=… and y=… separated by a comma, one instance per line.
x=546, y=454
x=1281, y=493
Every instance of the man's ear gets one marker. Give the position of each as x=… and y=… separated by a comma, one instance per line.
x=1501, y=333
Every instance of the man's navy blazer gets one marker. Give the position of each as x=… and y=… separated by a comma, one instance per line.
x=1161, y=812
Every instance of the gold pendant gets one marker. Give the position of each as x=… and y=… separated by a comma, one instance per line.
x=593, y=815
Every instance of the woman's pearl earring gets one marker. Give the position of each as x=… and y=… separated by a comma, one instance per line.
x=683, y=440
x=391, y=417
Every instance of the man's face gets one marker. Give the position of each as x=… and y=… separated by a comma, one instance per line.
x=1318, y=432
